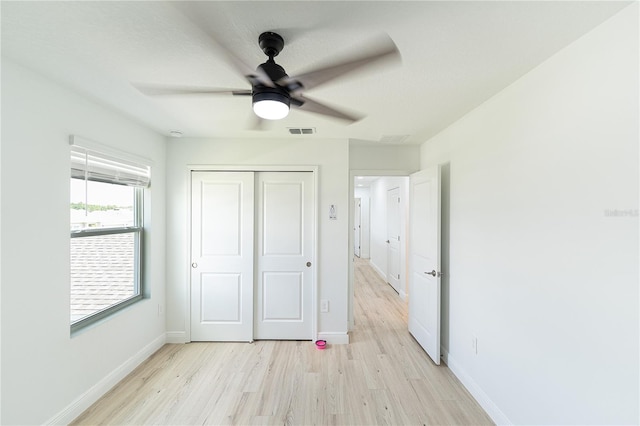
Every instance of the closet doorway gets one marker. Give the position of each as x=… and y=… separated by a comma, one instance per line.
x=252, y=255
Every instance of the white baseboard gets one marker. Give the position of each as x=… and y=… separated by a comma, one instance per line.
x=84, y=401
x=474, y=389
x=177, y=337
x=336, y=338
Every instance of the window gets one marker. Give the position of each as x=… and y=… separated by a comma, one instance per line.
x=106, y=224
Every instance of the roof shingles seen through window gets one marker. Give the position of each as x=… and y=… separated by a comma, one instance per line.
x=102, y=272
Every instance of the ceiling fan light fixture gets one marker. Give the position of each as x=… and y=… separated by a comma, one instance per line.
x=271, y=105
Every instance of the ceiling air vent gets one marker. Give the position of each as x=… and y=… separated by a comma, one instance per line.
x=302, y=130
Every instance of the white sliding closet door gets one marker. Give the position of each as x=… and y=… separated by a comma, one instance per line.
x=222, y=256
x=284, y=254
x=252, y=241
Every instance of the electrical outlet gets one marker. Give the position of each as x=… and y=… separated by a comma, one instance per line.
x=324, y=306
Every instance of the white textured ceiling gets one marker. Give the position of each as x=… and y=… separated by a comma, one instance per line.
x=455, y=55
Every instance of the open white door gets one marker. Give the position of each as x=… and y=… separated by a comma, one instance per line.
x=393, y=238
x=357, y=214
x=424, y=260
x=285, y=244
x=222, y=256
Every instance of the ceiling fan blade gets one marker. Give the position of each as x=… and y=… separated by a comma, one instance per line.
x=385, y=50
x=254, y=75
x=310, y=105
x=159, y=90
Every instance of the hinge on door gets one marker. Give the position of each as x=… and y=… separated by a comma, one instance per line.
x=398, y=238
x=398, y=276
x=398, y=199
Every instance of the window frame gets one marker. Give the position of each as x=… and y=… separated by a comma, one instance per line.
x=139, y=282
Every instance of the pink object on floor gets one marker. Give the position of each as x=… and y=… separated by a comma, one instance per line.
x=321, y=344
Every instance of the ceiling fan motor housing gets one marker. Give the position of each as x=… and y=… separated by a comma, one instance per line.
x=269, y=43
x=264, y=93
x=273, y=70
x=261, y=92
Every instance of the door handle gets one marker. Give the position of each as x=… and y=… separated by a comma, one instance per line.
x=387, y=241
x=434, y=273
x=194, y=265
x=308, y=264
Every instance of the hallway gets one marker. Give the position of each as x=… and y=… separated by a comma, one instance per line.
x=381, y=377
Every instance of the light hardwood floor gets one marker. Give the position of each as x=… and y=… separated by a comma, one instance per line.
x=381, y=377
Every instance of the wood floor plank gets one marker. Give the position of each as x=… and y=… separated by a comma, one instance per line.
x=382, y=377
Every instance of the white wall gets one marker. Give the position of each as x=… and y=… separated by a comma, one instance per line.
x=363, y=194
x=46, y=374
x=384, y=157
x=332, y=157
x=379, y=189
x=539, y=273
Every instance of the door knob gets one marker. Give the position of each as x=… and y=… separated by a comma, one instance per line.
x=308, y=264
x=387, y=241
x=194, y=265
x=434, y=273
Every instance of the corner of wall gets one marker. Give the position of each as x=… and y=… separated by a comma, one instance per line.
x=177, y=337
x=480, y=396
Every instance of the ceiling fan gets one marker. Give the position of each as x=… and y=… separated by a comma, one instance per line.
x=273, y=92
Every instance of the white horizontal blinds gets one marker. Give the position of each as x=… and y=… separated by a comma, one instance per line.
x=95, y=166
